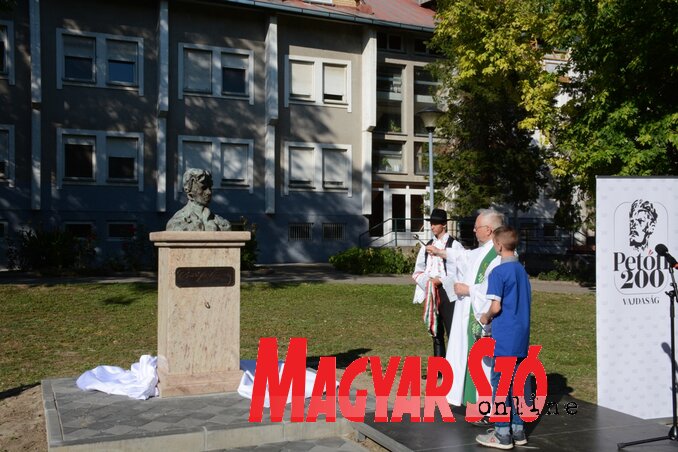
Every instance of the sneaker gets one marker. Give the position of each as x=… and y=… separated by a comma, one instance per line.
x=491, y=439
x=519, y=438
x=484, y=422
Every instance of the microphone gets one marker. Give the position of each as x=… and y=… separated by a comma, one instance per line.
x=663, y=251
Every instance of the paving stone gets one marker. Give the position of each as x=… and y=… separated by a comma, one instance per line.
x=156, y=426
x=119, y=429
x=83, y=433
x=330, y=442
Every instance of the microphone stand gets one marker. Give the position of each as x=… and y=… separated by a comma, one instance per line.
x=673, y=432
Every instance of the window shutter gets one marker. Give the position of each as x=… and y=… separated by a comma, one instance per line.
x=197, y=154
x=302, y=166
x=198, y=70
x=79, y=46
x=121, y=50
x=335, y=168
x=335, y=82
x=234, y=163
x=302, y=79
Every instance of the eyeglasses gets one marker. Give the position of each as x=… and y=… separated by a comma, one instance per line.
x=475, y=228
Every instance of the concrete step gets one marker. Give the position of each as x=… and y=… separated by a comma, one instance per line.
x=332, y=444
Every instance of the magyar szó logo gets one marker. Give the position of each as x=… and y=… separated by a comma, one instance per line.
x=638, y=227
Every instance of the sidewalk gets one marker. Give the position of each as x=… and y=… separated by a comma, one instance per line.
x=276, y=273
x=327, y=273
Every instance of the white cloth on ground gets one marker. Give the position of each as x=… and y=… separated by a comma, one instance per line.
x=140, y=382
x=247, y=381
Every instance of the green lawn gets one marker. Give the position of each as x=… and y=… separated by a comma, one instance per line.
x=63, y=330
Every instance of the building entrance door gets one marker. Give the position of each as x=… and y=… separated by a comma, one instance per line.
x=397, y=213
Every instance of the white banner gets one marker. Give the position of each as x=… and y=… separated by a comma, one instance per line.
x=633, y=325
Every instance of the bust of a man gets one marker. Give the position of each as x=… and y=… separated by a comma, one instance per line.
x=195, y=215
x=642, y=221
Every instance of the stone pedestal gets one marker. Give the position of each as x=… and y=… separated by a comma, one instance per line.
x=198, y=311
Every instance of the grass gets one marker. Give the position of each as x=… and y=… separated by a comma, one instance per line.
x=63, y=330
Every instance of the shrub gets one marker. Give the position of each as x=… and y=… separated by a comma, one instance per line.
x=138, y=253
x=42, y=249
x=248, y=253
x=362, y=261
x=570, y=270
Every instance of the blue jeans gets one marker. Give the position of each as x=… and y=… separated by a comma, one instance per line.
x=516, y=424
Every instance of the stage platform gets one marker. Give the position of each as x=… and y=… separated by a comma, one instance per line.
x=591, y=429
x=89, y=420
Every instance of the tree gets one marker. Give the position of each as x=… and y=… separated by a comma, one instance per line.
x=497, y=93
x=623, y=115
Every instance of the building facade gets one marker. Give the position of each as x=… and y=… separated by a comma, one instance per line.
x=304, y=112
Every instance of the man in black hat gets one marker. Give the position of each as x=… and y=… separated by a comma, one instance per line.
x=435, y=277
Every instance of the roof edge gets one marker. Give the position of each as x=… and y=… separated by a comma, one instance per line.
x=342, y=17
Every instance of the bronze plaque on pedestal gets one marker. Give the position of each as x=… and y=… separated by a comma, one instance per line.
x=204, y=277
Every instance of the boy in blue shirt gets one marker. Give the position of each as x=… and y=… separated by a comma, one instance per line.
x=510, y=293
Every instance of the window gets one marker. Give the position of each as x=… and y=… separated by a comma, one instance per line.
x=300, y=231
x=79, y=158
x=334, y=231
x=80, y=230
x=389, y=98
x=317, y=167
x=421, y=158
x=121, y=231
x=334, y=83
x=3, y=229
x=301, y=84
x=234, y=74
x=7, y=51
x=230, y=160
x=425, y=86
x=390, y=82
x=99, y=157
x=528, y=228
x=236, y=164
x=387, y=157
x=336, y=172
x=389, y=42
x=122, y=155
x=7, y=154
x=421, y=47
x=98, y=59
x=302, y=167
x=318, y=80
x=216, y=71
x=121, y=58
x=549, y=230
x=198, y=71
x=79, y=58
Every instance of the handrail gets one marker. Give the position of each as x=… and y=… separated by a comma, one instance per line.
x=393, y=232
x=561, y=240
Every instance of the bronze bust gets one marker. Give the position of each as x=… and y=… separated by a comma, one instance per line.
x=195, y=215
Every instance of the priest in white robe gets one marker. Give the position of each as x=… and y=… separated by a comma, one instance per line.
x=471, y=303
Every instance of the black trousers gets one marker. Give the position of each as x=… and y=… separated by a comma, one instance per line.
x=445, y=313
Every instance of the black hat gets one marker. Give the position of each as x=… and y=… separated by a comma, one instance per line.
x=438, y=216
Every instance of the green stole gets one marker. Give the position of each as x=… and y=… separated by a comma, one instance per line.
x=474, y=329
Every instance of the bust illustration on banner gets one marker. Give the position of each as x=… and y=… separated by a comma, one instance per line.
x=642, y=221
x=638, y=270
